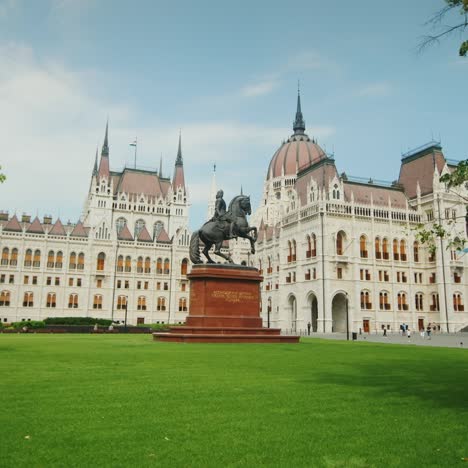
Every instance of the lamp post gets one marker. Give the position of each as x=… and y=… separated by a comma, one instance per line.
x=347, y=318
x=126, y=305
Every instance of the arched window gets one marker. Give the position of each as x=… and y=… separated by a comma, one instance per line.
x=290, y=252
x=183, y=267
x=403, y=257
x=293, y=250
x=159, y=266
x=396, y=256
x=128, y=264
x=416, y=251
x=121, y=302
x=14, y=257
x=314, y=245
x=37, y=258
x=73, y=301
x=5, y=299
x=340, y=239
x=157, y=228
x=458, y=303
x=418, y=301
x=141, y=305
x=147, y=265
x=28, y=258
x=365, y=300
x=166, y=266
x=59, y=260
x=51, y=300
x=120, y=263
x=269, y=268
x=161, y=303
x=435, y=306
x=97, y=301
x=309, y=247
x=363, y=246
x=139, y=225
x=101, y=260
x=72, y=262
x=385, y=253
x=120, y=224
x=28, y=299
x=50, y=259
x=81, y=261
x=182, y=304
x=401, y=299
x=140, y=265
x=5, y=255
x=383, y=301
x=378, y=252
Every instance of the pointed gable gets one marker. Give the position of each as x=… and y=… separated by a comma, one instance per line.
x=79, y=230
x=125, y=234
x=145, y=236
x=13, y=225
x=163, y=237
x=35, y=227
x=58, y=229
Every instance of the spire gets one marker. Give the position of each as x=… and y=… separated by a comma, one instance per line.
x=160, y=167
x=179, y=161
x=95, y=168
x=105, y=146
x=212, y=198
x=299, y=124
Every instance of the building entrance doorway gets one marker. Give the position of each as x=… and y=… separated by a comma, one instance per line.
x=293, y=313
x=140, y=320
x=313, y=307
x=366, y=326
x=421, y=324
x=339, y=313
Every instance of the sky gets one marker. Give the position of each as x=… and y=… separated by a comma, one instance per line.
x=225, y=74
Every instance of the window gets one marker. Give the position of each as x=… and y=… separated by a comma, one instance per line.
x=5, y=255
x=183, y=286
x=289, y=252
x=432, y=278
x=70, y=281
x=146, y=284
x=37, y=259
x=383, y=301
x=435, y=305
x=157, y=228
x=138, y=284
x=418, y=301
x=340, y=238
x=365, y=300
x=120, y=263
x=121, y=302
x=49, y=280
x=403, y=257
x=140, y=265
x=73, y=301
x=396, y=256
x=139, y=225
x=72, y=261
x=416, y=251
x=456, y=277
x=50, y=259
x=28, y=299
x=183, y=267
x=11, y=279
x=59, y=260
x=363, y=246
x=97, y=301
x=51, y=300
x=158, y=286
x=57, y=281
x=5, y=299
x=141, y=303
x=161, y=303
x=401, y=299
x=182, y=304
x=166, y=266
x=2, y=278
x=120, y=224
x=26, y=280
x=385, y=254
x=81, y=261
x=457, y=303
x=159, y=268
x=128, y=264
x=34, y=280
x=14, y=257
x=166, y=286
x=339, y=273
x=147, y=265
x=78, y=282
x=28, y=258
x=99, y=283
x=377, y=244
x=293, y=250
x=127, y=284
x=101, y=258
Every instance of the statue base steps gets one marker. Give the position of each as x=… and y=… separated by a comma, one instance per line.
x=224, y=308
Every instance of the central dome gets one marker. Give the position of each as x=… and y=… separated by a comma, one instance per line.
x=297, y=153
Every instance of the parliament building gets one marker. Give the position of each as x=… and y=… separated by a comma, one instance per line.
x=335, y=251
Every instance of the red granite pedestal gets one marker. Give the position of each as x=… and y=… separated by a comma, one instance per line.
x=224, y=308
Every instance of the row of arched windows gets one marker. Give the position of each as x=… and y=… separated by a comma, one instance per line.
x=9, y=258
x=139, y=226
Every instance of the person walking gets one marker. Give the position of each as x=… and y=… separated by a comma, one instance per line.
x=408, y=333
x=309, y=325
x=428, y=331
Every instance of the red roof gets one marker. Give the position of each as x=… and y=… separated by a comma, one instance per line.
x=135, y=181
x=163, y=237
x=322, y=175
x=79, y=230
x=380, y=195
x=144, y=235
x=58, y=229
x=13, y=225
x=35, y=227
x=125, y=234
x=178, y=179
x=104, y=167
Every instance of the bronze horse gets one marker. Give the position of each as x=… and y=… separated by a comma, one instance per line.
x=215, y=232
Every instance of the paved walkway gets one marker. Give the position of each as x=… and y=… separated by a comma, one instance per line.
x=452, y=340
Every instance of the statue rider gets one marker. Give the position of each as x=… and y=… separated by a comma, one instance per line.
x=221, y=216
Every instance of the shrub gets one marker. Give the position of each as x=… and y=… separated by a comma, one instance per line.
x=77, y=321
x=31, y=324
x=160, y=326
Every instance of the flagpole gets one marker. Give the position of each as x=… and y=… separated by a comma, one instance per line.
x=136, y=143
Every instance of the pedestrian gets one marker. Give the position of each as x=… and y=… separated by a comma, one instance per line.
x=421, y=331
x=309, y=325
x=428, y=331
x=384, y=332
x=408, y=333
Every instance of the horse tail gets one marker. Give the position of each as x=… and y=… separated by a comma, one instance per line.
x=194, y=251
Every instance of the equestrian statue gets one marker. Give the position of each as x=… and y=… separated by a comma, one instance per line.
x=224, y=225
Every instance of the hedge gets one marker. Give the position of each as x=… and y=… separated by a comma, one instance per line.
x=31, y=324
x=77, y=321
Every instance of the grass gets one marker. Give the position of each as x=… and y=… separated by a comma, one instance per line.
x=123, y=400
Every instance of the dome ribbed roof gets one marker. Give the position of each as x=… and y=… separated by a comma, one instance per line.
x=298, y=152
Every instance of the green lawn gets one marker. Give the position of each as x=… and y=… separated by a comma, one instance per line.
x=124, y=400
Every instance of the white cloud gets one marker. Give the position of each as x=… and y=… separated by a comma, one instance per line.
x=382, y=89
x=259, y=89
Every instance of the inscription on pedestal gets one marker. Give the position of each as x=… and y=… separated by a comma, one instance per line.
x=233, y=296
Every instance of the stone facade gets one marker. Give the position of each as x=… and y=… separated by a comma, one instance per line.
x=332, y=246
x=128, y=251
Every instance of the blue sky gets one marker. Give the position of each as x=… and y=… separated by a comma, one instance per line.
x=225, y=73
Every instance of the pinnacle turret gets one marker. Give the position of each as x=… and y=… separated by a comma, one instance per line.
x=299, y=124
x=179, y=161
x=105, y=146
